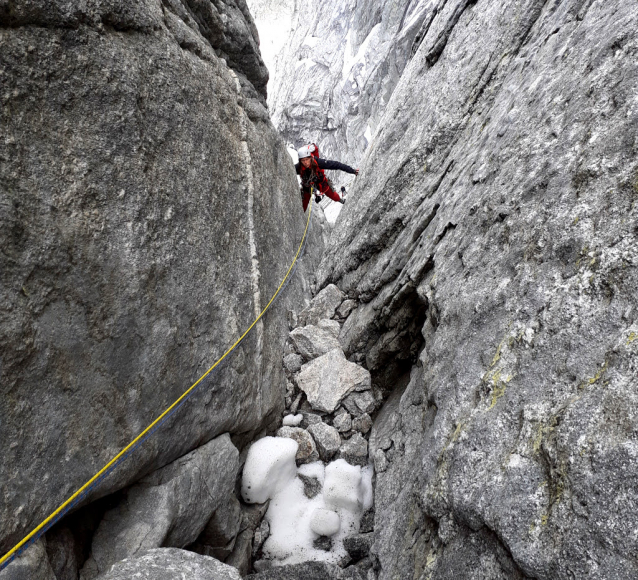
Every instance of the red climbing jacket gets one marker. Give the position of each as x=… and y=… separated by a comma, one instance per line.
x=314, y=175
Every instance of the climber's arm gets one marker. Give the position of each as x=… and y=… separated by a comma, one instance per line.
x=327, y=164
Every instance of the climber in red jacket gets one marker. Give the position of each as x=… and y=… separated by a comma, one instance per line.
x=311, y=169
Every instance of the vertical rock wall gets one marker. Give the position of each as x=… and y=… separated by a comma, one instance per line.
x=500, y=196
x=148, y=209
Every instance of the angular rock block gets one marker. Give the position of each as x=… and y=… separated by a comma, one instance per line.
x=327, y=439
x=171, y=564
x=323, y=305
x=32, y=565
x=312, y=341
x=168, y=508
x=355, y=450
x=307, y=450
x=329, y=378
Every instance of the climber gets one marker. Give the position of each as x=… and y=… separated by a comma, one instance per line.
x=311, y=169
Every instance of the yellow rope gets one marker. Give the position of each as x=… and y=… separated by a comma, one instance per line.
x=132, y=444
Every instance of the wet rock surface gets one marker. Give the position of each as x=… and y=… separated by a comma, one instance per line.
x=309, y=571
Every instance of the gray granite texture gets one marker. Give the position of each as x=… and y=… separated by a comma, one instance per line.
x=171, y=564
x=331, y=83
x=497, y=206
x=168, y=508
x=148, y=210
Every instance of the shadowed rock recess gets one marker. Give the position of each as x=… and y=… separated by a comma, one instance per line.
x=148, y=212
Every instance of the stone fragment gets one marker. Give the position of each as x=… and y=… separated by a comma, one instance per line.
x=242, y=553
x=261, y=535
x=330, y=326
x=311, y=485
x=169, y=507
x=342, y=422
x=367, y=521
x=380, y=461
x=327, y=439
x=323, y=543
x=292, y=420
x=363, y=423
x=329, y=378
x=359, y=403
x=310, y=418
x=312, y=341
x=33, y=564
x=323, y=305
x=171, y=564
x=358, y=545
x=293, y=363
x=307, y=450
x=346, y=308
x=309, y=571
x=355, y=450
x=218, y=538
x=294, y=406
x=325, y=522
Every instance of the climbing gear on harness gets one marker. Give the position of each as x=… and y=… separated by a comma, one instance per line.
x=83, y=491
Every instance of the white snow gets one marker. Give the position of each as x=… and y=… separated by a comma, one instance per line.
x=342, y=487
x=325, y=522
x=270, y=467
x=292, y=420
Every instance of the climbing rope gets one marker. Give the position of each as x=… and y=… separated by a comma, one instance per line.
x=92, y=483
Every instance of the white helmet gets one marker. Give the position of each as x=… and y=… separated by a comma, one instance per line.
x=306, y=151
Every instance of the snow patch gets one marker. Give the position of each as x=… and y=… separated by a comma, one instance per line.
x=270, y=467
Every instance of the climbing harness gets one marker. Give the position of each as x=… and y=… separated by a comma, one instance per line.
x=90, y=485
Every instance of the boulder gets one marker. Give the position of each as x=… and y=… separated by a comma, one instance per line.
x=293, y=362
x=329, y=378
x=358, y=545
x=342, y=422
x=168, y=508
x=311, y=341
x=330, y=326
x=362, y=423
x=327, y=439
x=355, y=450
x=33, y=564
x=323, y=305
x=307, y=450
x=171, y=564
x=359, y=404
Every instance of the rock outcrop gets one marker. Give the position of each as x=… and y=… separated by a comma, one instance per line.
x=331, y=82
x=171, y=564
x=148, y=211
x=497, y=210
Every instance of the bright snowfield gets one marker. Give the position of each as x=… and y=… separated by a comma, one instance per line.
x=296, y=520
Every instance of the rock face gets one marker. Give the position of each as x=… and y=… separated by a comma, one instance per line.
x=497, y=207
x=148, y=210
x=171, y=564
x=169, y=508
x=32, y=565
x=332, y=81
